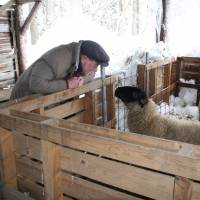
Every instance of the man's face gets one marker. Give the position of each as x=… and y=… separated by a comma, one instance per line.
x=88, y=65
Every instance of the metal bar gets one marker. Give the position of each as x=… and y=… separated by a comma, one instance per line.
x=104, y=102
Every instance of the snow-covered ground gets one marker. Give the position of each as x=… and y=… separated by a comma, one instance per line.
x=183, y=106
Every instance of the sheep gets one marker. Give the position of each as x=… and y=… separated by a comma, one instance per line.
x=143, y=118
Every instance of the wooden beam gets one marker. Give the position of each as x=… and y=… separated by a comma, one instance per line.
x=88, y=190
x=30, y=17
x=182, y=189
x=120, y=175
x=7, y=159
x=51, y=170
x=62, y=95
x=135, y=152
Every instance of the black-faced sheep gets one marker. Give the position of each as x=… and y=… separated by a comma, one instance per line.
x=143, y=118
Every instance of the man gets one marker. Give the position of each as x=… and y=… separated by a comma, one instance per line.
x=65, y=66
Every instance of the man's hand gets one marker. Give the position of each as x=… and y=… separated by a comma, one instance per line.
x=75, y=82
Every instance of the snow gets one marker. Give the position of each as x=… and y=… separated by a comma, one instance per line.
x=183, y=106
x=184, y=31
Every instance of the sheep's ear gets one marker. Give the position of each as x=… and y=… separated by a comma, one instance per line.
x=143, y=99
x=142, y=102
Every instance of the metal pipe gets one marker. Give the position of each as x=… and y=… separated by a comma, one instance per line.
x=104, y=102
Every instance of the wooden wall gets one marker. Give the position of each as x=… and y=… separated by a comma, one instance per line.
x=163, y=78
x=158, y=79
x=52, y=158
x=7, y=56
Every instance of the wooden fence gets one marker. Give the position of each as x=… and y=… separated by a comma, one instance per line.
x=161, y=79
x=53, y=158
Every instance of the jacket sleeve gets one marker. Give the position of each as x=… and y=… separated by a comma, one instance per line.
x=42, y=80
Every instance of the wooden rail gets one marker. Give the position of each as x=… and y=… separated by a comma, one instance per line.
x=161, y=79
x=53, y=158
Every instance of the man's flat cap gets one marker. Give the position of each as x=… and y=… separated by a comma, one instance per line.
x=95, y=51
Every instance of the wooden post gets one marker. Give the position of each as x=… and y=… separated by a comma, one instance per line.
x=141, y=76
x=51, y=171
x=20, y=43
x=182, y=189
x=111, y=104
x=90, y=108
x=7, y=159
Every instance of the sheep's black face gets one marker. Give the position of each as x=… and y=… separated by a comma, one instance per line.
x=131, y=94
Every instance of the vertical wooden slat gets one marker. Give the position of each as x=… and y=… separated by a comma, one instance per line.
x=152, y=82
x=39, y=111
x=110, y=103
x=7, y=159
x=182, y=189
x=51, y=171
x=90, y=108
x=141, y=76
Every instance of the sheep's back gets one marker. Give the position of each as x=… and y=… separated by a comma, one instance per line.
x=183, y=130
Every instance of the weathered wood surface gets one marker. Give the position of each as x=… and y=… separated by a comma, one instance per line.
x=51, y=163
x=89, y=190
x=8, y=193
x=7, y=160
x=58, y=157
x=157, y=78
x=61, y=96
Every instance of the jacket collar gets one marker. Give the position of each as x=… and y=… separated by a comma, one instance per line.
x=76, y=56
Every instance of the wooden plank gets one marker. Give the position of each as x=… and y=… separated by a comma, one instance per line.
x=110, y=172
x=152, y=78
x=193, y=67
x=28, y=116
x=5, y=94
x=159, y=63
x=195, y=191
x=79, y=117
x=157, y=159
x=169, y=161
x=98, y=111
x=66, y=109
x=122, y=136
x=190, y=59
x=168, y=90
x=141, y=76
x=12, y=194
x=7, y=160
x=29, y=169
x=89, y=104
x=63, y=95
x=27, y=146
x=4, y=27
x=29, y=127
x=7, y=76
x=51, y=170
x=89, y=190
x=35, y=190
x=182, y=189
x=67, y=198
x=110, y=89
x=98, y=96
